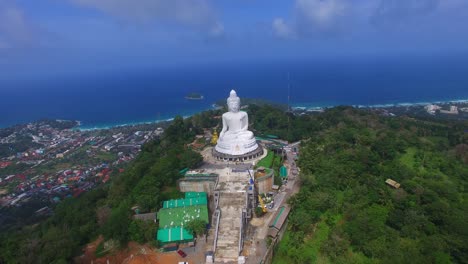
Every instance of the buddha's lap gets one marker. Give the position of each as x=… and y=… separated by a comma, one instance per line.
x=237, y=135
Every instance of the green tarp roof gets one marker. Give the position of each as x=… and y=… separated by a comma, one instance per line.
x=189, y=195
x=283, y=172
x=176, y=234
x=278, y=216
x=183, y=171
x=180, y=216
x=185, y=202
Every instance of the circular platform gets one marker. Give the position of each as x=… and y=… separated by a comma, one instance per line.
x=244, y=157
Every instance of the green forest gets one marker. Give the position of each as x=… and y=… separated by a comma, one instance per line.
x=345, y=213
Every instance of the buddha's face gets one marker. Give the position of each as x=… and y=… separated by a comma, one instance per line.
x=233, y=105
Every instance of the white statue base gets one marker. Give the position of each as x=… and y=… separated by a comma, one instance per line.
x=256, y=153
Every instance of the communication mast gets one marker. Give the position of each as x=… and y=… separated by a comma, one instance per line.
x=288, y=112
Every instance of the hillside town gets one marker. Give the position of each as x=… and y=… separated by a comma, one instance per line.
x=51, y=160
x=450, y=109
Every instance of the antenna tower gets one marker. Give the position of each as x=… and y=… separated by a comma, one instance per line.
x=289, y=106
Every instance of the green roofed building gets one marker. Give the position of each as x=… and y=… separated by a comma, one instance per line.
x=278, y=217
x=190, y=195
x=277, y=223
x=176, y=234
x=185, y=202
x=176, y=214
x=180, y=216
x=283, y=172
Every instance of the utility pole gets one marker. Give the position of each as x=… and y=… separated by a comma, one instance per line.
x=289, y=106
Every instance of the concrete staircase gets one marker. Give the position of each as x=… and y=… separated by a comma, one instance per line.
x=231, y=204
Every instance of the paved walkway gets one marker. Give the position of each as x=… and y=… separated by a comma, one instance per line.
x=232, y=187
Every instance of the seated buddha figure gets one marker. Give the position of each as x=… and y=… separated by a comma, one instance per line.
x=234, y=138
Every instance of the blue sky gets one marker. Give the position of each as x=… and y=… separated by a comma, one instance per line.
x=54, y=37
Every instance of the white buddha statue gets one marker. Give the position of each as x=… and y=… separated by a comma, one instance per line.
x=235, y=139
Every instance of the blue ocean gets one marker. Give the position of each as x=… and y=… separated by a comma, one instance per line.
x=151, y=94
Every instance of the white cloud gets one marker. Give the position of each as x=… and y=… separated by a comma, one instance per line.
x=15, y=29
x=311, y=17
x=394, y=12
x=281, y=29
x=196, y=14
x=321, y=14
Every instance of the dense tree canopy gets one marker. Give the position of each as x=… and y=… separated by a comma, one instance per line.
x=345, y=213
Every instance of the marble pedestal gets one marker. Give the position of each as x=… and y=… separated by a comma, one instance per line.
x=253, y=154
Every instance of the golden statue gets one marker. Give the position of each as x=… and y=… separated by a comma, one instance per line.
x=214, y=138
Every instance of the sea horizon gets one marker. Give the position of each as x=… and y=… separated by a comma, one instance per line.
x=151, y=95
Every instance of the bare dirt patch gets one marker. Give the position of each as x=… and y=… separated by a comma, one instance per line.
x=134, y=253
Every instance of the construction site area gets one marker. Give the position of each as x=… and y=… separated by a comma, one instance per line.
x=244, y=211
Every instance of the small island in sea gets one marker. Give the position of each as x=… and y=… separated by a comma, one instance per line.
x=194, y=96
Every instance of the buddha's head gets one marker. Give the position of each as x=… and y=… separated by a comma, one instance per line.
x=233, y=102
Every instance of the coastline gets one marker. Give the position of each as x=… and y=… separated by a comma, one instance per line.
x=318, y=107
x=84, y=127
x=116, y=125
x=304, y=106
x=297, y=106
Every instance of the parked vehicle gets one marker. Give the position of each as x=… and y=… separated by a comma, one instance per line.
x=181, y=253
x=271, y=205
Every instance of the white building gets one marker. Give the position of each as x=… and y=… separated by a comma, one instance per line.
x=453, y=110
x=431, y=109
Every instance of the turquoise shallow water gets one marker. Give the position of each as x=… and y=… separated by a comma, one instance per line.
x=155, y=94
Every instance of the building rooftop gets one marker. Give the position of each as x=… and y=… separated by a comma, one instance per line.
x=184, y=202
x=283, y=172
x=280, y=217
x=263, y=172
x=392, y=183
x=201, y=175
x=190, y=195
x=176, y=234
x=180, y=216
